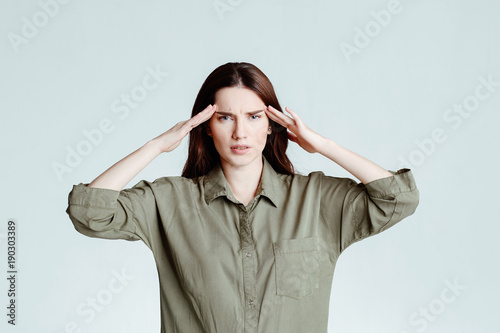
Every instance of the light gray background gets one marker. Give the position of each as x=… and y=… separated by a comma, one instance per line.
x=383, y=102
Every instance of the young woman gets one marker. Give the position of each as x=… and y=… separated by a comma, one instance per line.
x=241, y=242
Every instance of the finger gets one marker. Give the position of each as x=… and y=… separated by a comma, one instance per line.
x=208, y=112
x=284, y=119
x=292, y=137
x=294, y=115
x=273, y=116
x=202, y=116
x=194, y=121
x=282, y=115
x=208, y=109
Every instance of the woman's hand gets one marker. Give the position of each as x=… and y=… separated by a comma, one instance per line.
x=299, y=133
x=172, y=138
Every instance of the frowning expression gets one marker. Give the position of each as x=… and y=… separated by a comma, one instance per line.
x=239, y=127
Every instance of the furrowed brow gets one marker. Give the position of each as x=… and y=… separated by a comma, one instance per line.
x=251, y=113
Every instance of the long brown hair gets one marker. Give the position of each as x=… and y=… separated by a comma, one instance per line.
x=202, y=154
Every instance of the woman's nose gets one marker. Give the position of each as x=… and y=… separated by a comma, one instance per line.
x=240, y=129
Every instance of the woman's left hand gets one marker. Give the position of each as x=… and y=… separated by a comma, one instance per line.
x=298, y=132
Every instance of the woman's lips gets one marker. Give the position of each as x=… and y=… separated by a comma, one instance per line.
x=240, y=149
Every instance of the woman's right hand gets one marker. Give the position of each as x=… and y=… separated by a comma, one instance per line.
x=172, y=138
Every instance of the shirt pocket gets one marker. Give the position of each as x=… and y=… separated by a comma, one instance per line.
x=297, y=266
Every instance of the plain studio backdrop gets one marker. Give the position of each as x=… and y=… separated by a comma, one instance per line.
x=404, y=83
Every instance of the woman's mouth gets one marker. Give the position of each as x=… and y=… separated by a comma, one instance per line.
x=240, y=149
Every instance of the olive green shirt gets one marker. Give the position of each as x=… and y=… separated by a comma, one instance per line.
x=225, y=267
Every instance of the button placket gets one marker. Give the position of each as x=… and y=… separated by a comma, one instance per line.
x=249, y=271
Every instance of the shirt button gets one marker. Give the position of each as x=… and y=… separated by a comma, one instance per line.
x=248, y=254
x=251, y=302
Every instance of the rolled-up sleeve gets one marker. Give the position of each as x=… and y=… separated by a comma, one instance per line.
x=103, y=213
x=354, y=211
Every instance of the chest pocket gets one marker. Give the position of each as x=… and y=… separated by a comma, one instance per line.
x=297, y=266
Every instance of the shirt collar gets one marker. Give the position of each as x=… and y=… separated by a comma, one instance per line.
x=215, y=184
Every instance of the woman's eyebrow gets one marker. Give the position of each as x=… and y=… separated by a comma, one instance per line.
x=249, y=112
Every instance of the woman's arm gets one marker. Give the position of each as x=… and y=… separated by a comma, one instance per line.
x=123, y=171
x=363, y=169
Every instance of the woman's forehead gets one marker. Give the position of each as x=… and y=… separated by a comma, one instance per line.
x=236, y=99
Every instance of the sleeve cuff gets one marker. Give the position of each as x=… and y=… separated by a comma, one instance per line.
x=83, y=195
x=400, y=181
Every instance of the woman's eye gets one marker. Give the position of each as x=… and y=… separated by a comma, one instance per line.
x=228, y=117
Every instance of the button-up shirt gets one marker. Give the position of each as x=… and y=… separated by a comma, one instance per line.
x=225, y=267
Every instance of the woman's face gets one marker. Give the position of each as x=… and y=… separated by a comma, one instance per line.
x=240, y=119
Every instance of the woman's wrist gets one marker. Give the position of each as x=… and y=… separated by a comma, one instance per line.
x=154, y=146
x=328, y=148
